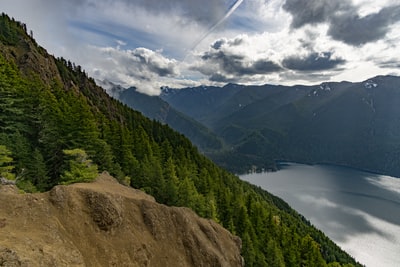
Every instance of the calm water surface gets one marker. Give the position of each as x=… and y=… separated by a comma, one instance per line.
x=360, y=211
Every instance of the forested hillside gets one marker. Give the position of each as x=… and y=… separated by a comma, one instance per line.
x=154, y=107
x=55, y=121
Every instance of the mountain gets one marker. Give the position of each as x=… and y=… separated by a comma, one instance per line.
x=155, y=108
x=104, y=223
x=201, y=103
x=57, y=127
x=352, y=124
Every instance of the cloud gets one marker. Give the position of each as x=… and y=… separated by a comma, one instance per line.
x=229, y=61
x=218, y=44
x=220, y=78
x=345, y=22
x=310, y=78
x=255, y=59
x=313, y=62
x=237, y=65
x=149, y=43
x=140, y=67
x=205, y=12
x=394, y=63
x=154, y=62
x=313, y=11
x=355, y=30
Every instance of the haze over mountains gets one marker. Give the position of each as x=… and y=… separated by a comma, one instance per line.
x=352, y=124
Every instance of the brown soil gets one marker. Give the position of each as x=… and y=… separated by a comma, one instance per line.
x=107, y=224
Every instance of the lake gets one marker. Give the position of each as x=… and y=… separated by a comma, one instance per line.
x=358, y=210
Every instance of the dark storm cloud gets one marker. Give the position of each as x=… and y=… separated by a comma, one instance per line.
x=217, y=44
x=229, y=63
x=313, y=11
x=221, y=42
x=356, y=30
x=263, y=66
x=345, y=24
x=234, y=64
x=312, y=62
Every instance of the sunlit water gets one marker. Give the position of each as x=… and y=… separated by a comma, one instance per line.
x=358, y=210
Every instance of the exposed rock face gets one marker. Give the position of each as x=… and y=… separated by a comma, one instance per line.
x=106, y=224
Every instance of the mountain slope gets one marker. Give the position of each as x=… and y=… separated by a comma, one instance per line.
x=50, y=107
x=107, y=224
x=199, y=102
x=353, y=124
x=155, y=108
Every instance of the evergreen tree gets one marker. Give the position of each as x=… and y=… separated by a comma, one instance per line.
x=79, y=167
x=36, y=170
x=6, y=166
x=10, y=85
x=275, y=256
x=171, y=182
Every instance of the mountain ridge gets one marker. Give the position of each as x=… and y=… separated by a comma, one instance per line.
x=290, y=123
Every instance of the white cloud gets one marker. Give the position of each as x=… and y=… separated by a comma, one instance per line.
x=82, y=30
x=143, y=68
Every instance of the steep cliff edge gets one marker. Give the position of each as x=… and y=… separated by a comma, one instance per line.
x=107, y=224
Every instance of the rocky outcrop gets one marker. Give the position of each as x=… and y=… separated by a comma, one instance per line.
x=107, y=224
x=4, y=181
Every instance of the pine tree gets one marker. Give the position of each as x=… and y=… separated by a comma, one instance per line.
x=36, y=171
x=274, y=253
x=171, y=182
x=6, y=166
x=79, y=167
x=10, y=110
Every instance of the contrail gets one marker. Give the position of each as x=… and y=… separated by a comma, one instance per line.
x=212, y=28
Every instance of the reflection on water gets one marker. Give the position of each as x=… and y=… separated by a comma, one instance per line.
x=360, y=211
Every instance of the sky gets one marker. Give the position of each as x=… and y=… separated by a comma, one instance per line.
x=182, y=43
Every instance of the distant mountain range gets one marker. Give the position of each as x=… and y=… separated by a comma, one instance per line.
x=352, y=124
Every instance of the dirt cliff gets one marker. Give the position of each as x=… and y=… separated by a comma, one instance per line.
x=107, y=224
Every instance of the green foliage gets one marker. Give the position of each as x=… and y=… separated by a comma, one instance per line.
x=6, y=166
x=276, y=255
x=50, y=116
x=155, y=108
x=79, y=167
x=10, y=30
